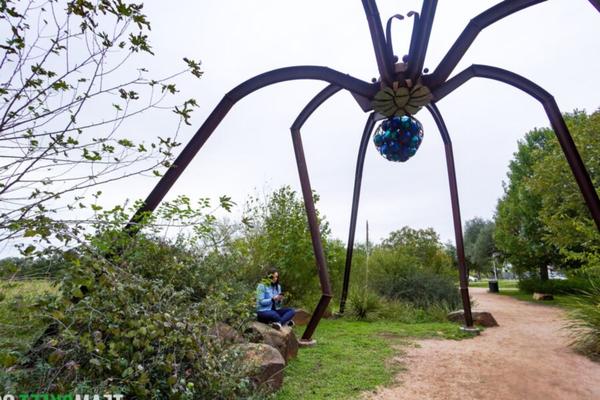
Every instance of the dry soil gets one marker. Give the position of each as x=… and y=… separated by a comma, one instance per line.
x=526, y=357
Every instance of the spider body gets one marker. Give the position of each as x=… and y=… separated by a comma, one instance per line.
x=402, y=89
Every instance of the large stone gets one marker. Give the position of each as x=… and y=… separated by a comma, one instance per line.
x=283, y=340
x=542, y=296
x=301, y=317
x=225, y=333
x=266, y=365
x=482, y=318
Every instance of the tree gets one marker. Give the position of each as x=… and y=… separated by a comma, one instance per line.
x=568, y=224
x=413, y=265
x=67, y=87
x=450, y=250
x=276, y=234
x=479, y=244
x=422, y=246
x=520, y=233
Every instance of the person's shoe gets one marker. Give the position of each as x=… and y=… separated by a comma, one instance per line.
x=276, y=325
x=291, y=323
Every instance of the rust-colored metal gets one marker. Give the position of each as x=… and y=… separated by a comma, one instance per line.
x=385, y=62
x=360, y=162
x=313, y=222
x=473, y=28
x=363, y=92
x=420, y=40
x=458, y=234
x=344, y=81
x=556, y=121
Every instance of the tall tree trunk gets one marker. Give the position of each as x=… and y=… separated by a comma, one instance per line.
x=544, y=272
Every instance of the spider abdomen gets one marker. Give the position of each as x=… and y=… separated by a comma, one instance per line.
x=398, y=138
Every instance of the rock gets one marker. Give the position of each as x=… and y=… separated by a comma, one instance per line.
x=283, y=340
x=542, y=296
x=302, y=317
x=482, y=318
x=267, y=365
x=226, y=333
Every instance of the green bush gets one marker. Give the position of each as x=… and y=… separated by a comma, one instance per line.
x=30, y=268
x=419, y=287
x=364, y=305
x=574, y=285
x=136, y=315
x=413, y=266
x=276, y=234
x=585, y=323
x=408, y=313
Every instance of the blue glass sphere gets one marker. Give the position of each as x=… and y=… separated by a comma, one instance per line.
x=398, y=138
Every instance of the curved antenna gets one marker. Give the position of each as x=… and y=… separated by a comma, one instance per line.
x=309, y=204
x=388, y=35
x=386, y=69
x=458, y=234
x=468, y=35
x=344, y=81
x=360, y=162
x=552, y=111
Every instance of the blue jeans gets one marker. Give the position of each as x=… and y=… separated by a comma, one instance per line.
x=283, y=315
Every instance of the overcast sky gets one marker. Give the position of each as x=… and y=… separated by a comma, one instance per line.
x=556, y=44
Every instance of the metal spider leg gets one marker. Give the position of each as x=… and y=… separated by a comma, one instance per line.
x=420, y=40
x=556, y=121
x=385, y=58
x=313, y=223
x=360, y=162
x=356, y=86
x=476, y=25
x=458, y=234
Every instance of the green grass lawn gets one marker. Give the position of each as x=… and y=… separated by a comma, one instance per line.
x=560, y=300
x=511, y=288
x=502, y=284
x=17, y=326
x=351, y=357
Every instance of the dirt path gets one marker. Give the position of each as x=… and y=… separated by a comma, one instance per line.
x=527, y=357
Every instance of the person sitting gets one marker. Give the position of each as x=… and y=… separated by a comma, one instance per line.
x=269, y=300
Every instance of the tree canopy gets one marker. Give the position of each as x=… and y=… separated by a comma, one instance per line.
x=71, y=73
x=479, y=244
x=542, y=220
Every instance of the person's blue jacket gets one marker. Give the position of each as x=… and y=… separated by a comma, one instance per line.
x=264, y=296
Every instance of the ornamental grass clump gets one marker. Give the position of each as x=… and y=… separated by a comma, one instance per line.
x=585, y=323
x=364, y=305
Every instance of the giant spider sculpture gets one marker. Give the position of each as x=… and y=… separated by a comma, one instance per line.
x=402, y=89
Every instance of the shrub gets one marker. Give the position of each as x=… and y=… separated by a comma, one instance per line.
x=276, y=233
x=364, y=305
x=586, y=323
x=135, y=315
x=576, y=285
x=408, y=313
x=419, y=287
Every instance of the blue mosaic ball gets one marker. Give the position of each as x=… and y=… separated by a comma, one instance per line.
x=398, y=138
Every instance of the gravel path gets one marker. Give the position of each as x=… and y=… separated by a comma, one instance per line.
x=527, y=357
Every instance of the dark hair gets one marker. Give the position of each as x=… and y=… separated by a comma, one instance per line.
x=272, y=271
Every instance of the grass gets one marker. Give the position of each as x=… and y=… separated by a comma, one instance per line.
x=502, y=284
x=560, y=300
x=17, y=326
x=352, y=356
